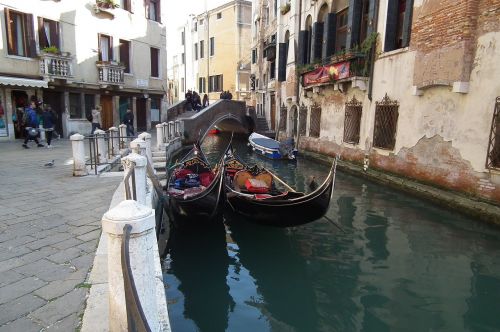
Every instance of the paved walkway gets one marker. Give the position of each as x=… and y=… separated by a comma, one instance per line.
x=49, y=228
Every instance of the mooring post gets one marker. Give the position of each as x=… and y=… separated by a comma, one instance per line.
x=78, y=146
x=141, y=245
x=123, y=136
x=171, y=130
x=115, y=140
x=102, y=147
x=146, y=137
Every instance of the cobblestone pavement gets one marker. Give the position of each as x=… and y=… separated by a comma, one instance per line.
x=49, y=228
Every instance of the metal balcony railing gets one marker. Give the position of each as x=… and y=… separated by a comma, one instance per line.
x=56, y=66
x=110, y=73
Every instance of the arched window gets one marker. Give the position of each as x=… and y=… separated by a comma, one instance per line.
x=283, y=57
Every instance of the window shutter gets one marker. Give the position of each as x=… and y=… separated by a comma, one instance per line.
x=99, y=54
x=391, y=26
x=42, y=39
x=407, y=23
x=110, y=52
x=302, y=47
x=10, y=34
x=146, y=8
x=282, y=62
x=54, y=34
x=158, y=11
x=354, y=22
x=329, y=35
x=317, y=41
x=30, y=34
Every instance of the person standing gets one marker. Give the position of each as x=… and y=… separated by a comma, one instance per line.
x=205, y=101
x=48, y=121
x=128, y=120
x=96, y=119
x=32, y=123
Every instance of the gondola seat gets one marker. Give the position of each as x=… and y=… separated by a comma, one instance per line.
x=262, y=182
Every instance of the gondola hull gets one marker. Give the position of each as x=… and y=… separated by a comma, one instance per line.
x=283, y=213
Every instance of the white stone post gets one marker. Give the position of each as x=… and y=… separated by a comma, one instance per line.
x=102, y=147
x=142, y=244
x=146, y=137
x=138, y=146
x=113, y=136
x=177, y=128
x=123, y=134
x=165, y=132
x=159, y=136
x=171, y=130
x=140, y=174
x=77, y=143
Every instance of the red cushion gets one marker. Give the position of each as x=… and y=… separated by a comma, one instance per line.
x=206, y=178
x=256, y=186
x=182, y=173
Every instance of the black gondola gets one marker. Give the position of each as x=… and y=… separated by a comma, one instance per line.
x=271, y=206
x=195, y=195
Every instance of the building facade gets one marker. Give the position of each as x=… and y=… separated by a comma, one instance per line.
x=405, y=86
x=76, y=55
x=215, y=46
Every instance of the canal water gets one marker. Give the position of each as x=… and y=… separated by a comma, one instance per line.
x=396, y=263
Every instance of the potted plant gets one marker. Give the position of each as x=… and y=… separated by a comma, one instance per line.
x=51, y=49
x=107, y=4
x=285, y=8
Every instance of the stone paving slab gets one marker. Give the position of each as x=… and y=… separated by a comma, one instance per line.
x=49, y=228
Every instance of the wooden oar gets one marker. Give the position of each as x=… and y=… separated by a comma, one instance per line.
x=280, y=181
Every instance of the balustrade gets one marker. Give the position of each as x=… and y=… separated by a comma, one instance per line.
x=56, y=66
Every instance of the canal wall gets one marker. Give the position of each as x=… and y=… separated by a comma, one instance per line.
x=471, y=206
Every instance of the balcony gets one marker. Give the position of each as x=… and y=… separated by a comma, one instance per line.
x=348, y=67
x=56, y=66
x=110, y=73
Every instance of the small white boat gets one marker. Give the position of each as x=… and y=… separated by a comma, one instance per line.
x=271, y=148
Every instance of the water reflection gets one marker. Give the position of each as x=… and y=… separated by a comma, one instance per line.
x=398, y=263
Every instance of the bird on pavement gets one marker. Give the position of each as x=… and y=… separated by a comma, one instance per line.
x=50, y=163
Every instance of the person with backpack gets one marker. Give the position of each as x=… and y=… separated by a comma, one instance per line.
x=96, y=119
x=31, y=123
x=128, y=120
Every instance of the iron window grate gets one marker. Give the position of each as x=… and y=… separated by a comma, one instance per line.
x=493, y=158
x=386, y=120
x=352, y=121
x=314, y=129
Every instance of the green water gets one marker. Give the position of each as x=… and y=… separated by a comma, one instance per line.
x=398, y=264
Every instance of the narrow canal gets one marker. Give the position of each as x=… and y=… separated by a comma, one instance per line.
x=397, y=264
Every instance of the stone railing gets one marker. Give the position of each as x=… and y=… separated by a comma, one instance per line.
x=56, y=66
x=110, y=73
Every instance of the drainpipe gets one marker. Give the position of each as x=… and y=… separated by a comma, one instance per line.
x=297, y=85
x=372, y=52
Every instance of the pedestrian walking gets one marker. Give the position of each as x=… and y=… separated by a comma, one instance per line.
x=48, y=121
x=31, y=123
x=128, y=120
x=189, y=100
x=205, y=101
x=96, y=119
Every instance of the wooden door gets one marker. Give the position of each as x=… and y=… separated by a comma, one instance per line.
x=106, y=112
x=141, y=114
x=273, y=112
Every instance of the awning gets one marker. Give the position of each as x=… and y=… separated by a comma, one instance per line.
x=16, y=81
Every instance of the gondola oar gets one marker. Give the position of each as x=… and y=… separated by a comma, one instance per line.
x=280, y=181
x=334, y=223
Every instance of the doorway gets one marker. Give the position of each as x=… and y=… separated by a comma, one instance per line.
x=19, y=102
x=106, y=112
x=141, y=114
x=55, y=100
x=273, y=112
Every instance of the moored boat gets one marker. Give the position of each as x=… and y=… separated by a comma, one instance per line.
x=252, y=192
x=271, y=148
x=195, y=194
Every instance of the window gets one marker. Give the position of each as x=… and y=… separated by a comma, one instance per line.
x=219, y=16
x=195, y=51
x=183, y=38
x=398, y=26
x=493, y=160
x=352, y=121
x=302, y=120
x=254, y=56
x=202, y=49
x=75, y=106
x=215, y=83
x=155, y=72
x=386, y=120
x=89, y=103
x=365, y=12
x=105, y=48
x=341, y=34
x=272, y=70
x=20, y=34
x=212, y=46
x=48, y=33
x=153, y=10
x=315, y=125
x=125, y=4
x=183, y=58
x=182, y=84
x=202, y=84
x=125, y=54
x=201, y=22
x=195, y=26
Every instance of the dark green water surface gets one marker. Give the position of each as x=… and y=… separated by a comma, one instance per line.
x=400, y=264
